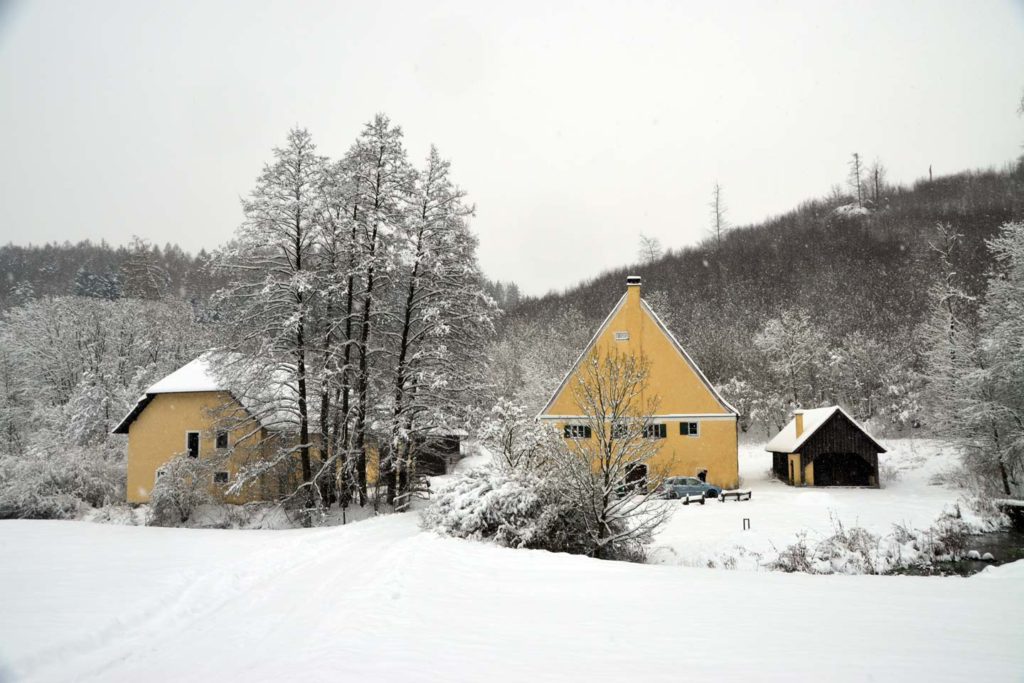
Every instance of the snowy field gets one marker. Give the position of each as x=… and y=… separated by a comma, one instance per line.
x=381, y=600
x=712, y=534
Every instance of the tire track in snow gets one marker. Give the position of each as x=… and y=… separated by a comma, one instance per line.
x=119, y=639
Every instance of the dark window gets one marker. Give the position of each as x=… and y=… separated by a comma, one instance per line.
x=688, y=428
x=192, y=443
x=620, y=430
x=656, y=431
x=222, y=439
x=577, y=431
x=220, y=477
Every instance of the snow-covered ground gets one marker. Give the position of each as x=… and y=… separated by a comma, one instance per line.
x=382, y=600
x=699, y=535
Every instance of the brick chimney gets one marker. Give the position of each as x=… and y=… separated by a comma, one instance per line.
x=798, y=415
x=633, y=291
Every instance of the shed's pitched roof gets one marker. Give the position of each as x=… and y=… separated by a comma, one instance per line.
x=786, y=441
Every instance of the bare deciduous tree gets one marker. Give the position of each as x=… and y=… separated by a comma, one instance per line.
x=271, y=306
x=516, y=438
x=856, y=179
x=719, y=225
x=650, y=249
x=606, y=465
x=876, y=176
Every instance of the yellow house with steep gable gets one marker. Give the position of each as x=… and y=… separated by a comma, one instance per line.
x=700, y=427
x=185, y=413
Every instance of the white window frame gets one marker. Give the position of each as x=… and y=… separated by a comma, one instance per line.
x=653, y=427
x=199, y=443
x=689, y=422
x=622, y=335
x=227, y=439
x=576, y=431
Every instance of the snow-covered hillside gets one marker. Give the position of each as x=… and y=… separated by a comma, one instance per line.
x=381, y=600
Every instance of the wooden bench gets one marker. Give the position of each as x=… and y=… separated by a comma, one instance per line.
x=735, y=495
x=692, y=498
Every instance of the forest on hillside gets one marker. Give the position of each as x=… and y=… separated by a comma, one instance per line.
x=138, y=270
x=824, y=304
x=892, y=302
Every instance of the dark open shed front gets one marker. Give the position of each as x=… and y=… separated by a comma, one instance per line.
x=436, y=453
x=843, y=455
x=838, y=453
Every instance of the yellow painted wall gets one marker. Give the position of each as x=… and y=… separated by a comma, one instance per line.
x=676, y=387
x=159, y=433
x=714, y=449
x=677, y=390
x=794, y=466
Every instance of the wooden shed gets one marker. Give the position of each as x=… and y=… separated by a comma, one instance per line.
x=438, y=450
x=825, y=447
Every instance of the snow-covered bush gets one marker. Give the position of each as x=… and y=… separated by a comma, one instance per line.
x=851, y=550
x=797, y=557
x=121, y=514
x=854, y=550
x=58, y=483
x=182, y=485
x=517, y=439
x=517, y=509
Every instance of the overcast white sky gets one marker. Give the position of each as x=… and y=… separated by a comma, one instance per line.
x=574, y=126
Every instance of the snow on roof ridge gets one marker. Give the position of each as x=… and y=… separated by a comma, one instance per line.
x=194, y=376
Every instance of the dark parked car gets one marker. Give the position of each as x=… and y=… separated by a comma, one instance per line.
x=681, y=487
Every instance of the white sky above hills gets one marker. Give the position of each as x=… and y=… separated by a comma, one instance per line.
x=574, y=126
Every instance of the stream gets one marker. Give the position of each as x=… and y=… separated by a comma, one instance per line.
x=1006, y=545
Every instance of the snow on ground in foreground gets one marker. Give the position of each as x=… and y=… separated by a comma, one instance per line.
x=698, y=534
x=383, y=601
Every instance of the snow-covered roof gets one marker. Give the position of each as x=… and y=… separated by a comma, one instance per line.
x=267, y=396
x=194, y=376
x=787, y=441
x=446, y=431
